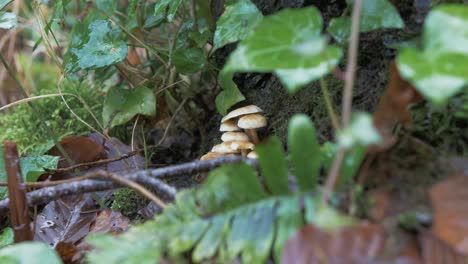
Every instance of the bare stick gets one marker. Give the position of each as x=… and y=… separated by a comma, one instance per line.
x=347, y=98
x=147, y=177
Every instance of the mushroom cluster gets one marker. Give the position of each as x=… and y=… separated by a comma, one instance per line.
x=235, y=142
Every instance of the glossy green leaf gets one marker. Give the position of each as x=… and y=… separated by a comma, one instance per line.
x=29, y=253
x=236, y=22
x=121, y=105
x=167, y=9
x=304, y=152
x=4, y=3
x=361, y=131
x=288, y=43
x=375, y=14
x=8, y=20
x=7, y=237
x=273, y=165
x=94, y=45
x=439, y=71
x=189, y=60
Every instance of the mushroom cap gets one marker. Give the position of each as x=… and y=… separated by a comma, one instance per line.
x=246, y=110
x=229, y=125
x=241, y=145
x=252, y=121
x=211, y=155
x=234, y=136
x=252, y=155
x=224, y=147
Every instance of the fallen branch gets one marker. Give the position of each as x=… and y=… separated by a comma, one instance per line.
x=150, y=178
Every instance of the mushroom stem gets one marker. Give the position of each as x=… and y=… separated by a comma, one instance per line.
x=252, y=133
x=244, y=152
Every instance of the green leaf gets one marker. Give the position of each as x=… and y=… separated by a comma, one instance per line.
x=7, y=237
x=236, y=22
x=273, y=165
x=4, y=3
x=121, y=105
x=29, y=253
x=304, y=150
x=167, y=9
x=375, y=14
x=288, y=43
x=351, y=164
x=8, y=20
x=289, y=219
x=361, y=131
x=94, y=45
x=439, y=70
x=329, y=219
x=189, y=60
x=34, y=166
x=31, y=168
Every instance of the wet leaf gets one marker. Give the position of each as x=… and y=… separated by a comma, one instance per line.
x=288, y=43
x=305, y=153
x=189, y=60
x=65, y=220
x=121, y=105
x=167, y=9
x=94, y=45
x=449, y=200
x=360, y=243
x=361, y=131
x=439, y=70
x=375, y=14
x=7, y=237
x=8, y=20
x=236, y=22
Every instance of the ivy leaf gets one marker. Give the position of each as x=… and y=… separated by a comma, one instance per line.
x=375, y=14
x=167, y=9
x=304, y=149
x=189, y=60
x=236, y=22
x=361, y=131
x=121, y=105
x=4, y=3
x=94, y=45
x=288, y=43
x=439, y=71
x=29, y=253
x=8, y=20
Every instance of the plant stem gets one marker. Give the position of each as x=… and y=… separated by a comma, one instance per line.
x=347, y=98
x=352, y=61
x=329, y=105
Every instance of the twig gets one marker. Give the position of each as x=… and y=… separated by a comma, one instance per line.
x=347, y=98
x=151, y=177
x=329, y=105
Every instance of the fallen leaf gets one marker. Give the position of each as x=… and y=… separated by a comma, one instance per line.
x=436, y=251
x=360, y=243
x=109, y=221
x=393, y=106
x=449, y=200
x=80, y=149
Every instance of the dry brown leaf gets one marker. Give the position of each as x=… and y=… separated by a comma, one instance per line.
x=80, y=149
x=393, y=105
x=449, y=200
x=110, y=222
x=435, y=251
x=360, y=243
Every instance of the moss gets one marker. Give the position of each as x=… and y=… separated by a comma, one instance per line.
x=26, y=127
x=128, y=202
